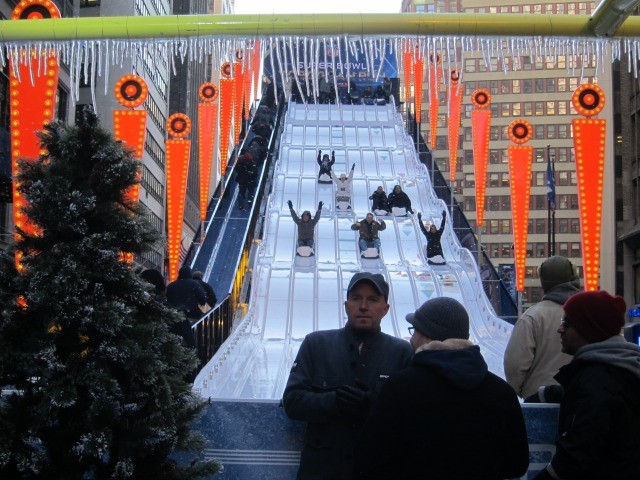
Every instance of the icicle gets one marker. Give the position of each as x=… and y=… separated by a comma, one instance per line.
x=382, y=55
x=340, y=57
x=316, y=73
x=306, y=68
x=294, y=64
x=346, y=54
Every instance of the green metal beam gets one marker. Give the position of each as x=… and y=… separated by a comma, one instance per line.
x=372, y=24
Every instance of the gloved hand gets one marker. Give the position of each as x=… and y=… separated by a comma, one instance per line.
x=411, y=212
x=319, y=152
x=333, y=152
x=353, y=401
x=320, y=204
x=419, y=216
x=353, y=166
x=290, y=203
x=444, y=213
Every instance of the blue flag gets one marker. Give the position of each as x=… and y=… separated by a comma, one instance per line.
x=551, y=187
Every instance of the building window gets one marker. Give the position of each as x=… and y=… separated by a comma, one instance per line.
x=541, y=250
x=576, y=251
x=505, y=227
x=493, y=227
x=563, y=249
x=506, y=250
x=563, y=225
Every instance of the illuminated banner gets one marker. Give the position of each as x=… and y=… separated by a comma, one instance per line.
x=520, y=159
x=589, y=142
x=33, y=85
x=480, y=129
x=177, y=155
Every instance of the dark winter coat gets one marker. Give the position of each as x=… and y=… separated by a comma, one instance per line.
x=326, y=360
x=369, y=231
x=185, y=294
x=599, y=422
x=246, y=172
x=433, y=239
x=209, y=293
x=325, y=166
x=380, y=201
x=400, y=200
x=444, y=417
x=305, y=229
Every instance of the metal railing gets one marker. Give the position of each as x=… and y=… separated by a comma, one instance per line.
x=214, y=327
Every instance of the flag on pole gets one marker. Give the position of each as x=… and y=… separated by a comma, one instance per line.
x=551, y=187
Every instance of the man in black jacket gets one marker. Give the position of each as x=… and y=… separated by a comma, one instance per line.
x=599, y=421
x=185, y=295
x=446, y=416
x=336, y=375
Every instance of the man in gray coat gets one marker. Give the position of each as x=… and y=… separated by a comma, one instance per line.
x=533, y=355
x=306, y=224
x=337, y=374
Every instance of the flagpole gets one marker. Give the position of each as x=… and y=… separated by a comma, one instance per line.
x=553, y=211
x=549, y=224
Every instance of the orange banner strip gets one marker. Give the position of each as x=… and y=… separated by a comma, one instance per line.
x=177, y=156
x=435, y=74
x=480, y=127
x=407, y=68
x=238, y=97
x=520, y=159
x=418, y=76
x=130, y=126
x=207, y=119
x=589, y=142
x=456, y=91
x=226, y=112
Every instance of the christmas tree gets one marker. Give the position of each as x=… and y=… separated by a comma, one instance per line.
x=98, y=379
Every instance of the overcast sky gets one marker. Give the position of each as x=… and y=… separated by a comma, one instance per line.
x=317, y=6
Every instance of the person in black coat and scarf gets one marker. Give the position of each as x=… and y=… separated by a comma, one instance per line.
x=434, y=248
x=445, y=416
x=324, y=175
x=380, y=202
x=246, y=178
x=186, y=295
x=399, y=199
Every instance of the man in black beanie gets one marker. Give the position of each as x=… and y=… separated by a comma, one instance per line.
x=446, y=416
x=533, y=355
x=337, y=374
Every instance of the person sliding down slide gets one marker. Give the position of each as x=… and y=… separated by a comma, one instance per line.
x=324, y=175
x=434, y=248
x=343, y=192
x=306, y=226
x=369, y=241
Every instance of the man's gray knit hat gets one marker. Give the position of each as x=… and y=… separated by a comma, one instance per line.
x=441, y=318
x=556, y=270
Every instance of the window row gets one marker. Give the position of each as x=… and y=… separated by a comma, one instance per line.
x=534, y=250
x=538, y=179
x=152, y=185
x=155, y=150
x=156, y=115
x=500, y=156
x=532, y=109
x=496, y=203
x=517, y=63
x=523, y=85
x=581, y=8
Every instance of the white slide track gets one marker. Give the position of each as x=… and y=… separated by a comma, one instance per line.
x=292, y=296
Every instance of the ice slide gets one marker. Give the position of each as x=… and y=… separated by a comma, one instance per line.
x=292, y=296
